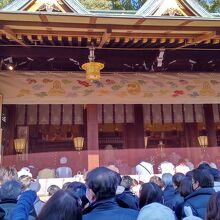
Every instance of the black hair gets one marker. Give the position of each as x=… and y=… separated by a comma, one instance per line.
x=189, y=174
x=213, y=207
x=149, y=193
x=204, y=165
x=65, y=185
x=52, y=189
x=80, y=189
x=127, y=182
x=203, y=177
x=103, y=182
x=63, y=205
x=185, y=187
x=177, y=178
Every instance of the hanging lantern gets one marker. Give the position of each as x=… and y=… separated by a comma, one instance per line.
x=20, y=145
x=203, y=141
x=78, y=143
x=203, y=138
x=92, y=68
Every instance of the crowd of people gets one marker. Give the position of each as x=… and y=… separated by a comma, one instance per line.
x=106, y=195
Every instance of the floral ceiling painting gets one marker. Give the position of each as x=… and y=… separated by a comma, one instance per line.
x=57, y=88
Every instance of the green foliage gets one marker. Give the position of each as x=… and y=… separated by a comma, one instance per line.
x=211, y=6
x=3, y=3
x=97, y=4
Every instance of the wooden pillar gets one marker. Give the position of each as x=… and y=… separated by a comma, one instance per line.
x=210, y=125
x=92, y=136
x=191, y=134
x=12, y=128
x=135, y=131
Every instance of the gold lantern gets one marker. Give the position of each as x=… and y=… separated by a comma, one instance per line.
x=203, y=141
x=92, y=68
x=20, y=144
x=78, y=143
x=203, y=138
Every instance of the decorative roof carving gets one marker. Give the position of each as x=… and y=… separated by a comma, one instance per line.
x=23, y=5
x=182, y=7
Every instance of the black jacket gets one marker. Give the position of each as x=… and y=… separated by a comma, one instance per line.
x=127, y=200
x=177, y=204
x=168, y=195
x=2, y=214
x=108, y=209
x=198, y=201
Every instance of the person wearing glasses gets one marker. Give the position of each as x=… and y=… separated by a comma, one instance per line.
x=202, y=184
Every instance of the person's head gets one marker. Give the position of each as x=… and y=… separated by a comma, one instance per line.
x=80, y=189
x=7, y=174
x=65, y=185
x=204, y=165
x=126, y=182
x=63, y=160
x=102, y=183
x=177, y=178
x=157, y=180
x=185, y=187
x=149, y=193
x=213, y=207
x=52, y=189
x=25, y=181
x=202, y=179
x=10, y=190
x=189, y=174
x=167, y=179
x=63, y=205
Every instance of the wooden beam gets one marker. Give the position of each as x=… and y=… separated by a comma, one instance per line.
x=199, y=39
x=205, y=37
x=12, y=35
x=105, y=37
x=68, y=26
x=99, y=34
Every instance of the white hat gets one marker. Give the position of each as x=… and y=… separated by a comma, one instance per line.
x=25, y=171
x=156, y=211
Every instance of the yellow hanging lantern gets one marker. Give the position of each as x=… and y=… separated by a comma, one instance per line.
x=20, y=145
x=92, y=68
x=78, y=143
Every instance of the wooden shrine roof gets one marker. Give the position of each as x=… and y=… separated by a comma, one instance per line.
x=69, y=30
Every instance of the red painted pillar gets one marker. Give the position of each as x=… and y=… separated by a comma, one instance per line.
x=92, y=136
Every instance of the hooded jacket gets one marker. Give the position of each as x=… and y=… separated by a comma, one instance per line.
x=198, y=201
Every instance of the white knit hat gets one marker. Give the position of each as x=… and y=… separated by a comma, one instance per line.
x=156, y=211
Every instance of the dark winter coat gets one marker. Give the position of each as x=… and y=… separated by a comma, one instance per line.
x=198, y=201
x=168, y=195
x=127, y=200
x=177, y=204
x=108, y=209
